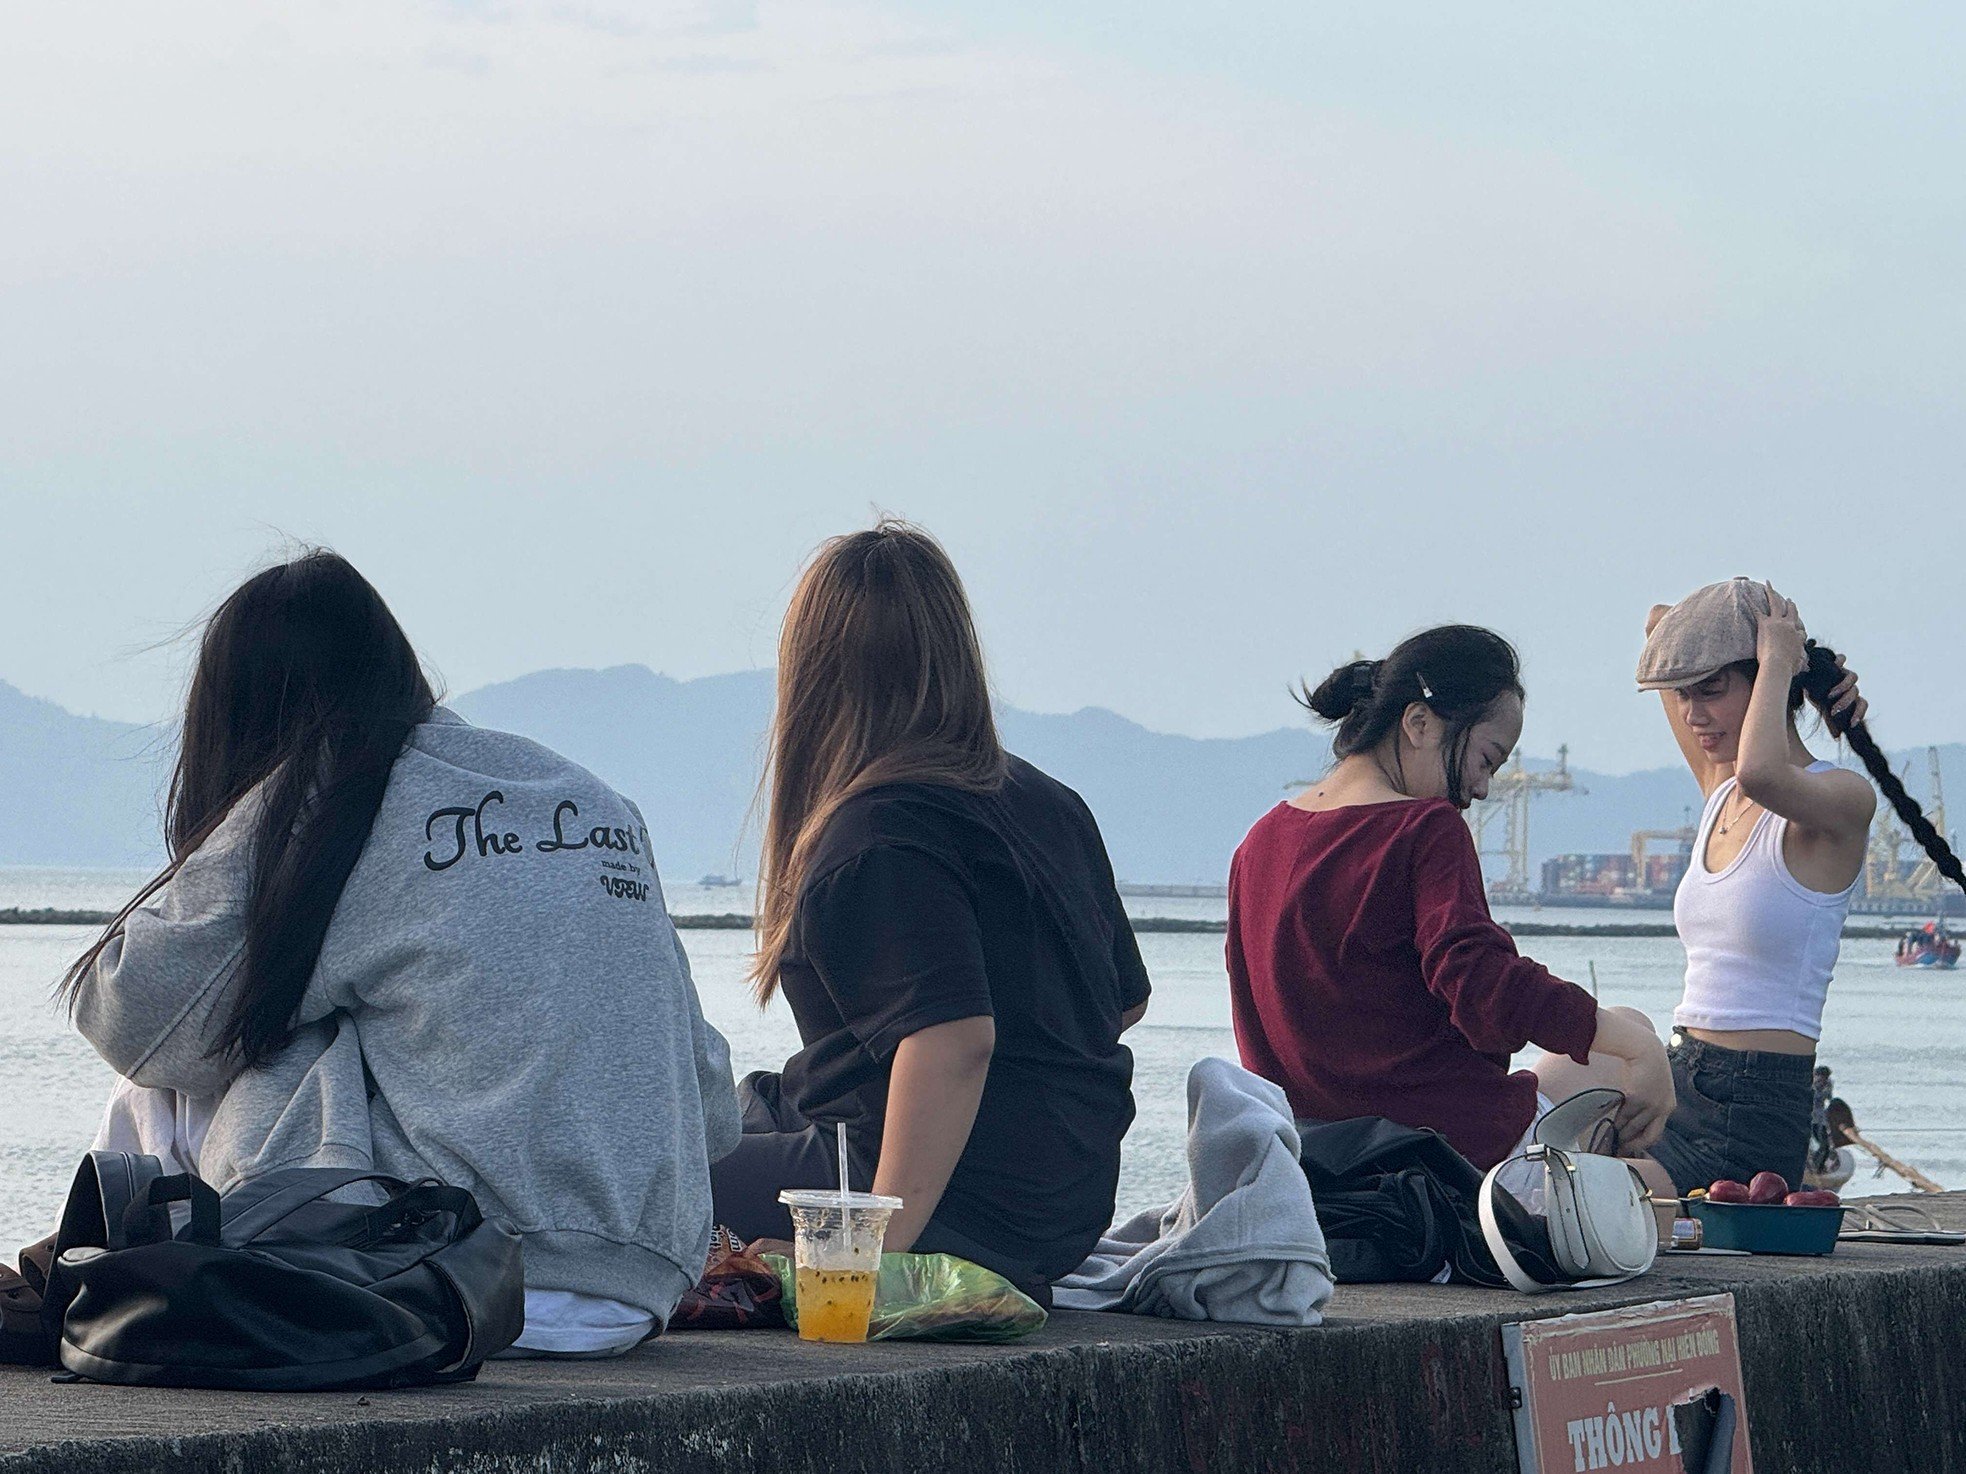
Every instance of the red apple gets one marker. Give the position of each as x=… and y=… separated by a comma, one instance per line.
x=1767, y=1187
x=1813, y=1197
x=1727, y=1190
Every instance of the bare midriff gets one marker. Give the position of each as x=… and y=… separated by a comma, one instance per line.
x=1764, y=1041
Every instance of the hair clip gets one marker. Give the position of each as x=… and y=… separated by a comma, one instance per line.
x=1426, y=691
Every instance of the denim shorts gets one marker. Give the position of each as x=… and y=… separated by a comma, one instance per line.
x=1737, y=1112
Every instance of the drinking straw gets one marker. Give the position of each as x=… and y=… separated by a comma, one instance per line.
x=840, y=1127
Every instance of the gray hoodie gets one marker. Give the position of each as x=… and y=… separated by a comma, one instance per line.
x=501, y=1001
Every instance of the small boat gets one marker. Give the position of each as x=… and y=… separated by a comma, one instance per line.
x=719, y=882
x=1834, y=1142
x=1930, y=945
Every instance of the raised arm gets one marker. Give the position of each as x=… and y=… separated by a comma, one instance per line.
x=1705, y=772
x=1837, y=804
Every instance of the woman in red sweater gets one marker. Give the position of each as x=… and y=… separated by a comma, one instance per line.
x=1367, y=975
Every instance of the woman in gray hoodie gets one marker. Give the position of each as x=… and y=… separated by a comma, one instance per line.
x=388, y=938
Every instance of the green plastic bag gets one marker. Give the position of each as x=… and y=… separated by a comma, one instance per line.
x=932, y=1297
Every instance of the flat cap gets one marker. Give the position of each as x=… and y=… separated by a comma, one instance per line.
x=1704, y=633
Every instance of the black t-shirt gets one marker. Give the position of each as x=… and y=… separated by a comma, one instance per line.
x=925, y=904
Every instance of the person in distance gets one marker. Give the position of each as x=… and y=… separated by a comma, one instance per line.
x=1775, y=861
x=943, y=920
x=1367, y=975
x=387, y=939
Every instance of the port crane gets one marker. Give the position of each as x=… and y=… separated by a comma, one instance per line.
x=1681, y=838
x=1889, y=881
x=1509, y=792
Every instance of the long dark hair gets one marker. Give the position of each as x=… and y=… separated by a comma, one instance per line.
x=1818, y=678
x=306, y=688
x=880, y=680
x=1458, y=670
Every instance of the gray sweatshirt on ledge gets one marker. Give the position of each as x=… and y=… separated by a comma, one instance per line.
x=501, y=1002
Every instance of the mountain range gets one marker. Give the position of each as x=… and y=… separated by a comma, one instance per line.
x=83, y=791
x=77, y=790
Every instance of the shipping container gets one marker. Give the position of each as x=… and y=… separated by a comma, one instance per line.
x=1586, y=875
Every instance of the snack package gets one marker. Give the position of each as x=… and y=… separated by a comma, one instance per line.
x=932, y=1297
x=738, y=1290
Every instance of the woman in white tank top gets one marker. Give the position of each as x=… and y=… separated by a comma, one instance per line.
x=1778, y=851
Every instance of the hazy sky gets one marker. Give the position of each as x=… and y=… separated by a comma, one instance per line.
x=1216, y=342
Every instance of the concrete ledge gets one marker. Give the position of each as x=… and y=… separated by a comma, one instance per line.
x=1854, y=1361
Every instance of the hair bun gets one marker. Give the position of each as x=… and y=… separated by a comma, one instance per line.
x=1339, y=694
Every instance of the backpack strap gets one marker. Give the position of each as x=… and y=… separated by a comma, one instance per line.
x=97, y=1214
x=107, y=1208
x=258, y=1205
x=181, y=1187
x=425, y=1199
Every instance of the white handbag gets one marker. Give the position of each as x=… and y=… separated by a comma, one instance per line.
x=1602, y=1231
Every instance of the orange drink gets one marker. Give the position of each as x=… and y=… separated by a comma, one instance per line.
x=836, y=1260
x=834, y=1304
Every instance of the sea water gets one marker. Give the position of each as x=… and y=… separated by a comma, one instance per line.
x=1896, y=1038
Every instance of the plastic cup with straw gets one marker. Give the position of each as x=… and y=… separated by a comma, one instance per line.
x=836, y=1255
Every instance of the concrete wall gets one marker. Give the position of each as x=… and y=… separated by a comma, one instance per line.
x=1854, y=1362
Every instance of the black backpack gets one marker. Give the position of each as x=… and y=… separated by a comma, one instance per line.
x=273, y=1287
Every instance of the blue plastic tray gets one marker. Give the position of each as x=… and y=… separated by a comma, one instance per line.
x=1768, y=1228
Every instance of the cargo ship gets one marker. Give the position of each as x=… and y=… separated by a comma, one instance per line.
x=1641, y=881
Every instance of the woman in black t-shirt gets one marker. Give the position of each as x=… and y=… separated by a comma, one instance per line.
x=943, y=921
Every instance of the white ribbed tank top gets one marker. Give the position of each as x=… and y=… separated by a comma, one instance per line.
x=1760, y=945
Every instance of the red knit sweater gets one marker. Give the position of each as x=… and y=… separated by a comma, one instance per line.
x=1369, y=978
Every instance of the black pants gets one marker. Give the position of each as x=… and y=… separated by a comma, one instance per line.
x=781, y=1149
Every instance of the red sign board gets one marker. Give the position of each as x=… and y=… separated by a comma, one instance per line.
x=1596, y=1391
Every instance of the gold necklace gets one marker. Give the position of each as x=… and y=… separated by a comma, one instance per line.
x=1725, y=823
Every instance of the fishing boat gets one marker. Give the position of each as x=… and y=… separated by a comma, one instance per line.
x=1930, y=945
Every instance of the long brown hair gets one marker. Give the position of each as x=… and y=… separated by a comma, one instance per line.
x=880, y=680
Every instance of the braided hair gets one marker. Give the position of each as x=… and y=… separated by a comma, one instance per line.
x=1818, y=678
